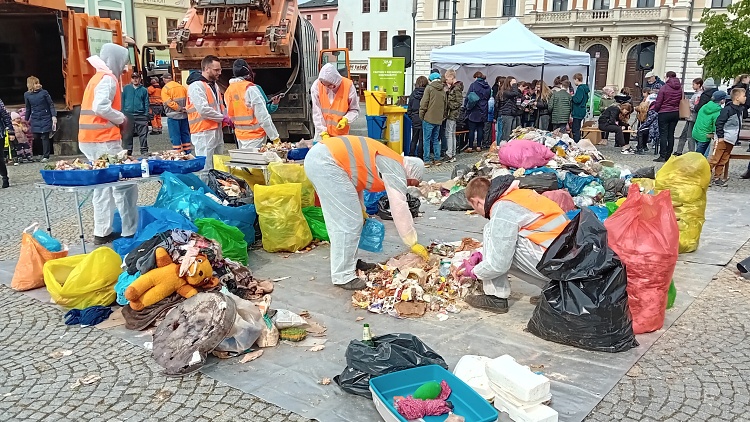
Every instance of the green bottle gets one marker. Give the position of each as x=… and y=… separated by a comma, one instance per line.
x=367, y=336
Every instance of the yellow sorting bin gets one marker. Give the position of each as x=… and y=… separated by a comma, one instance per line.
x=375, y=102
x=394, y=127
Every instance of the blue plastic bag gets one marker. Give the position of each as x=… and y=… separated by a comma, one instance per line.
x=601, y=212
x=575, y=184
x=46, y=240
x=572, y=213
x=151, y=221
x=123, y=282
x=185, y=194
x=373, y=233
x=371, y=201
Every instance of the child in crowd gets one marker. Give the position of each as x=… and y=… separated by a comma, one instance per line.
x=728, y=126
x=648, y=129
x=560, y=107
x=705, y=123
x=20, y=146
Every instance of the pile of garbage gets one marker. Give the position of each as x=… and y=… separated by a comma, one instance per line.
x=171, y=156
x=77, y=164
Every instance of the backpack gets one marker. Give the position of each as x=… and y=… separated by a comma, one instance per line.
x=471, y=100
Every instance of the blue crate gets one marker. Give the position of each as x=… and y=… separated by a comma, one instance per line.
x=130, y=171
x=81, y=177
x=467, y=402
x=297, y=154
x=176, y=167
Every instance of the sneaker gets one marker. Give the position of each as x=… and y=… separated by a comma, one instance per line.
x=6, y=183
x=723, y=183
x=641, y=152
x=676, y=154
x=627, y=152
x=469, y=150
x=44, y=160
x=438, y=163
x=451, y=159
x=660, y=160
x=103, y=240
x=356, y=284
x=716, y=182
x=426, y=165
x=745, y=175
x=645, y=149
x=365, y=266
x=488, y=303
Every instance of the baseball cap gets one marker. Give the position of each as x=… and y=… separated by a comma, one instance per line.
x=718, y=96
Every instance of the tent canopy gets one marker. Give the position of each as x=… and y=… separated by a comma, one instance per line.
x=510, y=44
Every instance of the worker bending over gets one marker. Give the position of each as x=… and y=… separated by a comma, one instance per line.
x=99, y=133
x=341, y=169
x=206, y=112
x=174, y=98
x=522, y=226
x=335, y=103
x=246, y=106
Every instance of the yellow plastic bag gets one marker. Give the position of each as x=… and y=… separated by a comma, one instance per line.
x=29, y=273
x=281, y=173
x=687, y=178
x=647, y=185
x=282, y=223
x=81, y=281
x=251, y=176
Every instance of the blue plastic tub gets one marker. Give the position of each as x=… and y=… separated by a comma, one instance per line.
x=81, y=177
x=176, y=167
x=129, y=171
x=375, y=126
x=297, y=154
x=467, y=402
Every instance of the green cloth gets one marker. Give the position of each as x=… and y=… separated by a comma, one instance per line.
x=560, y=105
x=705, y=123
x=231, y=239
x=580, y=101
x=314, y=217
x=272, y=108
x=135, y=100
x=605, y=102
x=455, y=100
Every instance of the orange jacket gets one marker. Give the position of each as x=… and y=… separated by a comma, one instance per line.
x=154, y=95
x=197, y=123
x=356, y=155
x=246, y=125
x=332, y=113
x=91, y=127
x=545, y=228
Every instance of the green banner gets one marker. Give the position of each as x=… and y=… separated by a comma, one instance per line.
x=387, y=75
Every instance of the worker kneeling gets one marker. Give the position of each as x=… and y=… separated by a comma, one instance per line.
x=522, y=226
x=341, y=169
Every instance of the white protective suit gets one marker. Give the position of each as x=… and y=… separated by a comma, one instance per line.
x=255, y=101
x=112, y=59
x=329, y=74
x=505, y=252
x=209, y=142
x=342, y=204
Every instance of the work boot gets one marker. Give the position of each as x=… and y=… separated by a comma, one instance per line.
x=103, y=240
x=356, y=284
x=365, y=266
x=745, y=175
x=488, y=303
x=6, y=183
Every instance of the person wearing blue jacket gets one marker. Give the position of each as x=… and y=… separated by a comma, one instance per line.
x=579, y=101
x=135, y=107
x=477, y=112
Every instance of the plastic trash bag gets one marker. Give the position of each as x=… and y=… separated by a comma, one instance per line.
x=248, y=324
x=522, y=153
x=281, y=173
x=282, y=223
x=316, y=222
x=646, y=184
x=687, y=178
x=614, y=189
x=575, y=184
x=671, y=295
x=384, y=207
x=81, y=281
x=151, y=221
x=216, y=180
x=456, y=202
x=392, y=353
x=185, y=194
x=47, y=241
x=123, y=282
x=29, y=272
x=643, y=233
x=231, y=239
x=542, y=182
x=593, y=190
x=600, y=211
x=586, y=302
x=373, y=234
x=609, y=173
x=611, y=207
x=371, y=201
x=562, y=198
x=644, y=173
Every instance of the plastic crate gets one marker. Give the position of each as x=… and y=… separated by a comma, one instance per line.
x=467, y=402
x=130, y=171
x=176, y=167
x=81, y=177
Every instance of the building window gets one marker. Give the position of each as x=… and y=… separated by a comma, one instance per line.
x=324, y=17
x=171, y=25
x=365, y=41
x=646, y=3
x=365, y=6
x=601, y=4
x=509, y=8
x=350, y=41
x=401, y=32
x=326, y=40
x=559, y=5
x=720, y=4
x=475, y=9
x=77, y=9
x=383, y=5
x=152, y=29
x=443, y=6
x=383, y=40
x=308, y=17
x=111, y=14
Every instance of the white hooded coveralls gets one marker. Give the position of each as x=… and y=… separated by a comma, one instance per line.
x=329, y=74
x=255, y=101
x=209, y=142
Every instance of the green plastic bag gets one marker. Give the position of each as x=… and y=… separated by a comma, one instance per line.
x=671, y=295
x=231, y=239
x=314, y=217
x=612, y=207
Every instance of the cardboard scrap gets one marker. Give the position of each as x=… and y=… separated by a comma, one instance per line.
x=325, y=381
x=316, y=348
x=88, y=379
x=411, y=309
x=249, y=357
x=57, y=354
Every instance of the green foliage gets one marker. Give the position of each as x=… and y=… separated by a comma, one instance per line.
x=726, y=42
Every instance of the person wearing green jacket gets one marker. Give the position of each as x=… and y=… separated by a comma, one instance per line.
x=560, y=106
x=705, y=122
x=455, y=97
x=135, y=107
x=580, y=101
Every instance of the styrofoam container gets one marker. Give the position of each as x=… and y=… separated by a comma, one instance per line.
x=467, y=402
x=517, y=379
x=471, y=369
x=538, y=413
x=498, y=390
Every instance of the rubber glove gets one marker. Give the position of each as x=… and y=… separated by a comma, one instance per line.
x=467, y=268
x=421, y=251
x=276, y=141
x=342, y=123
x=324, y=135
x=226, y=121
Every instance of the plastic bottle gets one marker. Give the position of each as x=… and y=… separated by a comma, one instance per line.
x=367, y=336
x=144, y=168
x=445, y=268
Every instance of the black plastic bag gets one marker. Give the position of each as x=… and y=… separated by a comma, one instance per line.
x=245, y=196
x=542, y=182
x=460, y=169
x=456, y=202
x=384, y=207
x=645, y=173
x=392, y=353
x=586, y=303
x=614, y=189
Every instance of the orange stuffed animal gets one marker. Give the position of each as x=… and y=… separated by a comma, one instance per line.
x=164, y=280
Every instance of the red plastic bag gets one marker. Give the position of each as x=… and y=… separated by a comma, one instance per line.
x=643, y=233
x=522, y=153
x=561, y=198
x=29, y=272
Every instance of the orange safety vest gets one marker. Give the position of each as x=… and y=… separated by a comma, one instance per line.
x=356, y=155
x=332, y=113
x=197, y=123
x=246, y=125
x=92, y=127
x=544, y=229
x=174, y=95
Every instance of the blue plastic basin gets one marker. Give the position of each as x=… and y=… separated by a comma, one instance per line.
x=81, y=177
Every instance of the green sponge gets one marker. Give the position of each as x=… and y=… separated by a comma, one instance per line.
x=428, y=391
x=293, y=334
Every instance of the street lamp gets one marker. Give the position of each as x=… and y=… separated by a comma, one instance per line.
x=453, y=22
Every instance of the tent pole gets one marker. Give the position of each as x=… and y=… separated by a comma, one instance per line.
x=542, y=77
x=591, y=96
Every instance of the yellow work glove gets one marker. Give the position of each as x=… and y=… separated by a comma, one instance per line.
x=276, y=141
x=324, y=135
x=421, y=251
x=342, y=123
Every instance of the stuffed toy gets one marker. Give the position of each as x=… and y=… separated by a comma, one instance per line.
x=167, y=278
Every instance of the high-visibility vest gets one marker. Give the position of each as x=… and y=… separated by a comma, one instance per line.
x=332, y=113
x=91, y=127
x=356, y=155
x=246, y=125
x=174, y=92
x=544, y=229
x=197, y=123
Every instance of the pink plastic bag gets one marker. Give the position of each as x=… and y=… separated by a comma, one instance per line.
x=644, y=234
x=562, y=198
x=522, y=153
